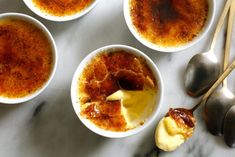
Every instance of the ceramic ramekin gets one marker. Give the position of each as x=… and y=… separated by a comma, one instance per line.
x=75, y=99
x=208, y=24
x=54, y=51
x=50, y=17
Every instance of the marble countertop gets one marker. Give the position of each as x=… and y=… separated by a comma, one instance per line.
x=47, y=126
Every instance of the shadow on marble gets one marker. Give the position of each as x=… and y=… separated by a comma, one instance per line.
x=147, y=147
x=220, y=141
x=14, y=6
x=6, y=108
x=54, y=129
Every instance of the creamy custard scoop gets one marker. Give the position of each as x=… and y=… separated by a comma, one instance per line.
x=174, y=129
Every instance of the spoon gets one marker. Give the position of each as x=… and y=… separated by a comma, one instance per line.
x=229, y=127
x=185, y=119
x=203, y=69
x=220, y=101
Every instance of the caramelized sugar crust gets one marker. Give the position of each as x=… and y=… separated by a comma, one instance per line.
x=25, y=58
x=182, y=116
x=62, y=7
x=184, y=119
x=106, y=74
x=169, y=22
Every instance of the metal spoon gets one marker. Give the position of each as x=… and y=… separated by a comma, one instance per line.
x=186, y=115
x=220, y=101
x=203, y=69
x=229, y=127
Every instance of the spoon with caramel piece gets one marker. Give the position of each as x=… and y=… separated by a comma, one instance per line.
x=178, y=125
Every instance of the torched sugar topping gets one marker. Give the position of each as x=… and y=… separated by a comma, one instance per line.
x=25, y=58
x=62, y=7
x=169, y=23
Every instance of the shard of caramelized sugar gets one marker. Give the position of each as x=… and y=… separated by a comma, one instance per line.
x=106, y=74
x=102, y=114
x=99, y=90
x=184, y=119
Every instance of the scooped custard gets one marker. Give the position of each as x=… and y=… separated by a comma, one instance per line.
x=169, y=23
x=174, y=129
x=62, y=7
x=117, y=91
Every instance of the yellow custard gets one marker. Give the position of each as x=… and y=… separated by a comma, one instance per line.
x=136, y=106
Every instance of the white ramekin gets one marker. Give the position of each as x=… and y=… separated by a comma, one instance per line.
x=75, y=99
x=208, y=24
x=54, y=51
x=50, y=17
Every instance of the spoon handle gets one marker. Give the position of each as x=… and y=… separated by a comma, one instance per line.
x=220, y=24
x=215, y=85
x=228, y=39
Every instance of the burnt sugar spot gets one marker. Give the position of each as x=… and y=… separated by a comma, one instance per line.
x=163, y=11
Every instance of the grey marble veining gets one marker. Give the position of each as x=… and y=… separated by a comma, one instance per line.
x=47, y=125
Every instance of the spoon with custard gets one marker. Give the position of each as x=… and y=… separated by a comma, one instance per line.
x=178, y=125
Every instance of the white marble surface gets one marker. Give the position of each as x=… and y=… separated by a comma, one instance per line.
x=48, y=127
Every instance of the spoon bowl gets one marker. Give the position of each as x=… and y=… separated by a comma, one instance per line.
x=202, y=71
x=229, y=127
x=215, y=110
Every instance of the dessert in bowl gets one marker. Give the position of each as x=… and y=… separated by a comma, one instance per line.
x=116, y=91
x=169, y=25
x=61, y=10
x=27, y=57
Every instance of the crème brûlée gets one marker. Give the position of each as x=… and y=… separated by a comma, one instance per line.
x=26, y=58
x=62, y=7
x=112, y=88
x=174, y=129
x=169, y=23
